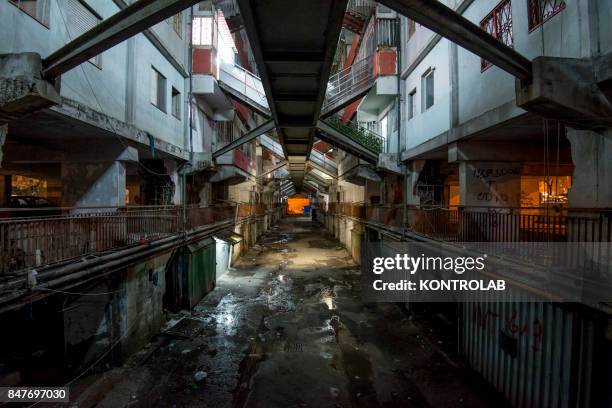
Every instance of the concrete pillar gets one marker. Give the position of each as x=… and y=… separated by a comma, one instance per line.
x=491, y=194
x=5, y=189
x=412, y=178
x=591, y=185
x=592, y=158
x=490, y=184
x=93, y=184
x=177, y=179
x=3, y=134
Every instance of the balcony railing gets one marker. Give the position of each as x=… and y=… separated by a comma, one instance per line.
x=348, y=84
x=489, y=224
x=31, y=239
x=362, y=135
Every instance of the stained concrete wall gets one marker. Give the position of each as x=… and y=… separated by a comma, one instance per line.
x=485, y=99
x=120, y=87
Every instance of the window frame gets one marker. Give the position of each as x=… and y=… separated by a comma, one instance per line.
x=175, y=96
x=429, y=73
x=494, y=15
x=164, y=81
x=44, y=21
x=534, y=26
x=411, y=103
x=178, y=30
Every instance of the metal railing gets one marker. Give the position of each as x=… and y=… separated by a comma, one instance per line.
x=362, y=8
x=490, y=224
x=362, y=135
x=348, y=83
x=67, y=233
x=245, y=83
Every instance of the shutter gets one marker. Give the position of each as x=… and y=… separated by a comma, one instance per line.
x=80, y=20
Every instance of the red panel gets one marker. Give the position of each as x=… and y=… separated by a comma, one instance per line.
x=350, y=110
x=353, y=53
x=242, y=161
x=385, y=63
x=242, y=110
x=202, y=61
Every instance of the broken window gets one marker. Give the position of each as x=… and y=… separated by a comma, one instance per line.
x=427, y=86
x=176, y=103
x=541, y=11
x=499, y=25
x=34, y=8
x=158, y=89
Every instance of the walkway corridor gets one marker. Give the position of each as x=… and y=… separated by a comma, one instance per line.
x=286, y=328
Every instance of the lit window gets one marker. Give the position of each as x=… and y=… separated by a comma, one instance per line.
x=202, y=31
x=34, y=8
x=411, y=103
x=80, y=19
x=177, y=24
x=176, y=103
x=427, y=85
x=158, y=89
x=541, y=11
x=499, y=25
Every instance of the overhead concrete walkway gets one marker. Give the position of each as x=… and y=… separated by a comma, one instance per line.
x=286, y=328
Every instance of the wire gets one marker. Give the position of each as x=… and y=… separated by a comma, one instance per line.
x=81, y=293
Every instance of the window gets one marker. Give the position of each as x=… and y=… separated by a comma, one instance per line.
x=411, y=103
x=34, y=8
x=411, y=28
x=202, y=31
x=541, y=11
x=499, y=25
x=80, y=18
x=427, y=85
x=176, y=103
x=158, y=90
x=177, y=24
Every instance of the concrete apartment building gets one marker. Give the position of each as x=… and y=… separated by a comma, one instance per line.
x=163, y=154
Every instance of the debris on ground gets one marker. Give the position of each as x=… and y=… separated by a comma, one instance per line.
x=199, y=376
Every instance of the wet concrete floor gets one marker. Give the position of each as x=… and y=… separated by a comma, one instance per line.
x=286, y=328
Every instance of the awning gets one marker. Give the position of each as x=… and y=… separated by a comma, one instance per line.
x=229, y=236
x=360, y=174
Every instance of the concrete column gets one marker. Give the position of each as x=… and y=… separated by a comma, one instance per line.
x=93, y=184
x=490, y=184
x=3, y=133
x=177, y=179
x=592, y=158
x=5, y=189
x=591, y=185
x=412, y=178
x=490, y=187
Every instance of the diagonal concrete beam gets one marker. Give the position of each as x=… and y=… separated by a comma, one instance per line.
x=334, y=137
x=126, y=23
x=453, y=26
x=247, y=137
x=321, y=169
x=273, y=169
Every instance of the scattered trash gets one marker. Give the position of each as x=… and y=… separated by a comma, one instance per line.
x=200, y=376
x=334, y=391
x=185, y=351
